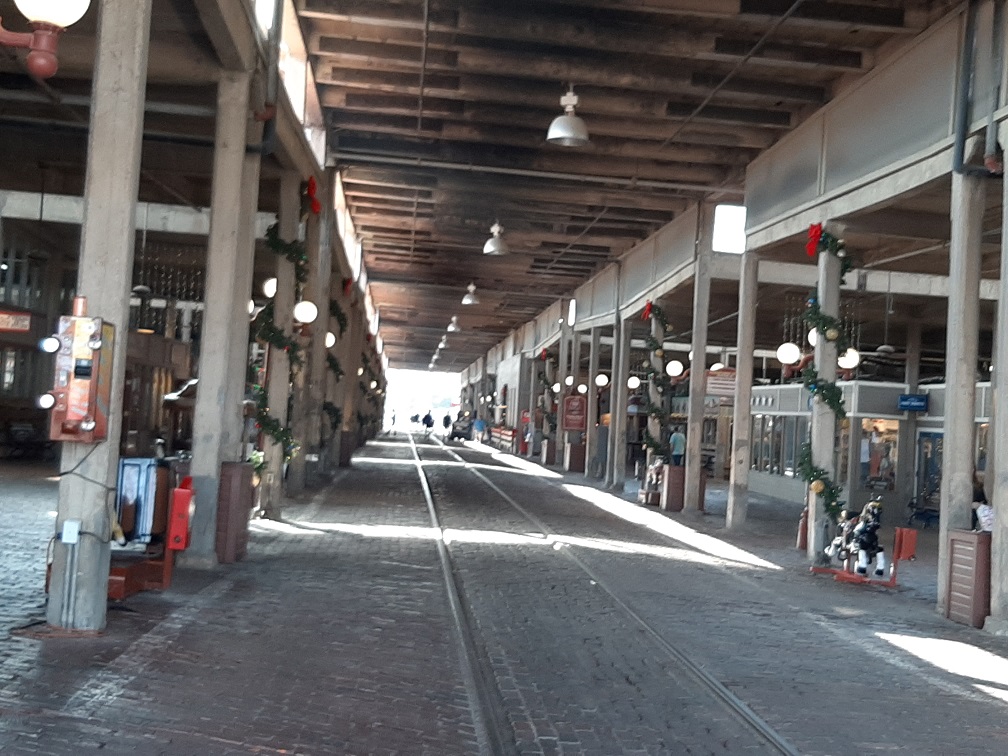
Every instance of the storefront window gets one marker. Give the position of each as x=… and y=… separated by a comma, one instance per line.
x=878, y=454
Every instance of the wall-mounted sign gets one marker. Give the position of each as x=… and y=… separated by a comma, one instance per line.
x=721, y=383
x=912, y=403
x=575, y=413
x=17, y=322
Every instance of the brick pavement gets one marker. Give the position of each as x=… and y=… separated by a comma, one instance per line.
x=334, y=637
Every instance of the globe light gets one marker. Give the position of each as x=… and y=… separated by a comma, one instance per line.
x=849, y=359
x=601, y=380
x=675, y=368
x=788, y=353
x=330, y=340
x=813, y=336
x=569, y=380
x=717, y=366
x=46, y=401
x=50, y=344
x=61, y=13
x=270, y=287
x=556, y=388
x=305, y=312
x=360, y=371
x=690, y=355
x=374, y=384
x=251, y=306
x=582, y=388
x=633, y=382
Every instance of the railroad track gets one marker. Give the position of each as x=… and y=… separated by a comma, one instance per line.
x=493, y=729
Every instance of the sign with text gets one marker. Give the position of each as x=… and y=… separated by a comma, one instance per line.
x=912, y=403
x=17, y=322
x=575, y=413
x=721, y=382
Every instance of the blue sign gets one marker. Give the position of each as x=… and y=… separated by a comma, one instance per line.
x=912, y=403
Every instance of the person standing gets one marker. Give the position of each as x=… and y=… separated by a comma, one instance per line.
x=677, y=444
x=428, y=423
x=446, y=422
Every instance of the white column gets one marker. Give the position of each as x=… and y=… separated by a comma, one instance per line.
x=907, y=451
x=969, y=194
x=319, y=273
x=591, y=439
x=655, y=427
x=698, y=365
x=278, y=381
x=620, y=393
x=997, y=458
x=823, y=427
x=741, y=445
x=212, y=421
x=78, y=590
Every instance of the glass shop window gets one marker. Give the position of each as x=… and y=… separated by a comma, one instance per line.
x=20, y=278
x=878, y=454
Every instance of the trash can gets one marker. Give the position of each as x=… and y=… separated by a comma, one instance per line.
x=969, y=577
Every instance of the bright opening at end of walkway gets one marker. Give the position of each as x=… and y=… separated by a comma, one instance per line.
x=416, y=392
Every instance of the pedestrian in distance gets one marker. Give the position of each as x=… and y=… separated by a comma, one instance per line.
x=428, y=423
x=446, y=422
x=677, y=443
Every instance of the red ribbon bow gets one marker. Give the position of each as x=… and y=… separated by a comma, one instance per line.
x=814, y=235
x=647, y=311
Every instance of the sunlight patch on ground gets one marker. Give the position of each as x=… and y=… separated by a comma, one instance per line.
x=531, y=468
x=663, y=525
x=956, y=658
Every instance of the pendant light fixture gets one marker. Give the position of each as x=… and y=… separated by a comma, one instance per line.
x=496, y=245
x=470, y=298
x=568, y=130
x=453, y=326
x=885, y=347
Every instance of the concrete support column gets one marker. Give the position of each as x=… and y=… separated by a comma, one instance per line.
x=351, y=397
x=907, y=451
x=214, y=419
x=534, y=392
x=741, y=445
x=574, y=437
x=969, y=195
x=78, y=590
x=698, y=366
x=616, y=475
x=591, y=437
x=317, y=291
x=304, y=412
x=654, y=425
x=997, y=457
x=823, y=426
x=563, y=364
x=278, y=376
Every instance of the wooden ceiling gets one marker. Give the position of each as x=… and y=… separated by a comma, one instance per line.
x=438, y=111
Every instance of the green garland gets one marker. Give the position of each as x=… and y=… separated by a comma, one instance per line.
x=293, y=252
x=335, y=415
x=814, y=317
x=266, y=330
x=660, y=449
x=820, y=240
x=813, y=475
x=824, y=390
x=337, y=313
x=654, y=312
x=335, y=367
x=282, y=435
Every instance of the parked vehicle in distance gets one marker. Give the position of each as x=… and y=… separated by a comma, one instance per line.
x=462, y=428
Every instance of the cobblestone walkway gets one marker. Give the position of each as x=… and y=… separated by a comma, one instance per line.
x=335, y=635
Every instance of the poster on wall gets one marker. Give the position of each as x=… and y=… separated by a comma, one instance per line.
x=575, y=413
x=15, y=322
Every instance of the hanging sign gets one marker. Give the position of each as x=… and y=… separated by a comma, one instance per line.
x=575, y=413
x=912, y=403
x=16, y=322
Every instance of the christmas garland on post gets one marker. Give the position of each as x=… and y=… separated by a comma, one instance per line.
x=337, y=312
x=335, y=415
x=826, y=325
x=266, y=330
x=293, y=252
x=820, y=240
x=825, y=391
x=281, y=435
x=659, y=448
x=819, y=482
x=335, y=367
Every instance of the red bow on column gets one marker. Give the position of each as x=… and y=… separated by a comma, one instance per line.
x=814, y=235
x=647, y=311
x=316, y=206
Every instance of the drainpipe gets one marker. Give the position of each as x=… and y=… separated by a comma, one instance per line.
x=269, y=111
x=992, y=159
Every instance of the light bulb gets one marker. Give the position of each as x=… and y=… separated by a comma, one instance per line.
x=813, y=336
x=270, y=287
x=674, y=368
x=788, y=353
x=50, y=344
x=63, y=13
x=582, y=388
x=374, y=384
x=305, y=312
x=633, y=382
x=330, y=340
x=569, y=380
x=556, y=388
x=717, y=366
x=849, y=360
x=601, y=380
x=46, y=401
